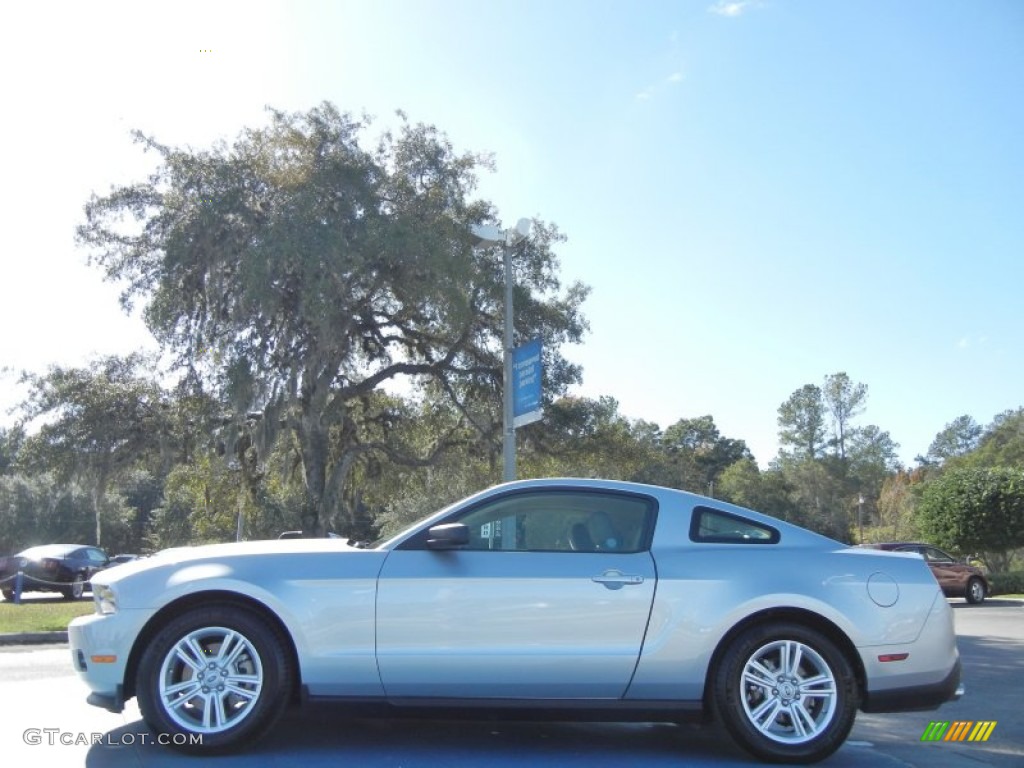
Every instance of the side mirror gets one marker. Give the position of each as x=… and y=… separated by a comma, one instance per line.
x=448, y=536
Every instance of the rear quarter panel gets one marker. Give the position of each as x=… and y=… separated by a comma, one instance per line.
x=705, y=590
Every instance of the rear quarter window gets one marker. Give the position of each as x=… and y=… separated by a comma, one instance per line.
x=715, y=526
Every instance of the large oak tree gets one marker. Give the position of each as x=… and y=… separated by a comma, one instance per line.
x=295, y=272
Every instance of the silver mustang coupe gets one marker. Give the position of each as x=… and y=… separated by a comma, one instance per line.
x=565, y=598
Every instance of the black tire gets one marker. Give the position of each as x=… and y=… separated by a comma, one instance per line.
x=257, y=667
x=9, y=595
x=757, y=703
x=975, y=592
x=76, y=588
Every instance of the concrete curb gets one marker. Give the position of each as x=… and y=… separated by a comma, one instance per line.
x=34, y=638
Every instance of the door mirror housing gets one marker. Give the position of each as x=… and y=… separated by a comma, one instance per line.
x=448, y=536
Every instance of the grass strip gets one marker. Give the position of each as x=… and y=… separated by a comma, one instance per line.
x=41, y=614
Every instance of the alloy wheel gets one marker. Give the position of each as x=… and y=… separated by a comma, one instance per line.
x=210, y=680
x=789, y=692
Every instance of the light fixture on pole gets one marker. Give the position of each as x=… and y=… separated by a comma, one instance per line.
x=860, y=517
x=488, y=234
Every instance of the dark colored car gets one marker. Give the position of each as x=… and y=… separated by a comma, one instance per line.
x=64, y=568
x=955, y=577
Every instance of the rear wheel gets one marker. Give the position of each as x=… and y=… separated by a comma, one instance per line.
x=76, y=588
x=786, y=693
x=8, y=594
x=214, y=678
x=975, y=591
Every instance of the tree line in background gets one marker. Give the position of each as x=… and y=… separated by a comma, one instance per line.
x=335, y=346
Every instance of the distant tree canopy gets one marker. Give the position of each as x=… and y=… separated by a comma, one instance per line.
x=98, y=423
x=296, y=272
x=802, y=422
x=10, y=444
x=974, y=510
x=1000, y=445
x=958, y=437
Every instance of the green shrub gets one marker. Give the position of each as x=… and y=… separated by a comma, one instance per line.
x=1011, y=583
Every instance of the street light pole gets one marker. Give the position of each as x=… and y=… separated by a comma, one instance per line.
x=492, y=235
x=860, y=517
x=509, y=427
x=241, y=517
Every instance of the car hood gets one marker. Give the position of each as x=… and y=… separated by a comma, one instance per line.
x=243, y=548
x=250, y=560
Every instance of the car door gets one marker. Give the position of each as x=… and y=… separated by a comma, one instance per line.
x=549, y=600
x=950, y=574
x=95, y=560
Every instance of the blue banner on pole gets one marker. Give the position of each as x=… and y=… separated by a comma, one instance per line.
x=526, y=376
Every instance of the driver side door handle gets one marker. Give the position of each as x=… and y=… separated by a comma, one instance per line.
x=615, y=579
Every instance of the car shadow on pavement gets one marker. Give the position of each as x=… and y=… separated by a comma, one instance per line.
x=992, y=602
x=324, y=737
x=320, y=737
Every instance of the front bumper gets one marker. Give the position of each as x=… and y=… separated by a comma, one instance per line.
x=112, y=703
x=100, y=649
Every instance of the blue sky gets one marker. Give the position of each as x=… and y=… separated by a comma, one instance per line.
x=758, y=193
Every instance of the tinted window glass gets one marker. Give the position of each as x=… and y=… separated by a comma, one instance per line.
x=716, y=526
x=561, y=521
x=933, y=555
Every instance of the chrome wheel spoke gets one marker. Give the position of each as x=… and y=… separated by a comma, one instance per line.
x=243, y=693
x=181, y=701
x=243, y=682
x=182, y=691
x=207, y=714
x=757, y=714
x=784, y=649
x=820, y=690
x=232, y=646
x=218, y=710
x=795, y=652
x=759, y=681
x=190, y=653
x=803, y=723
x=757, y=674
x=765, y=715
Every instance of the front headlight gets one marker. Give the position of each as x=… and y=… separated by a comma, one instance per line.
x=105, y=599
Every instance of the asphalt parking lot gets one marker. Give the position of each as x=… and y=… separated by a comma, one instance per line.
x=44, y=718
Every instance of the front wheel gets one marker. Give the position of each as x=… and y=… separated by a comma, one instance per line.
x=786, y=693
x=76, y=588
x=213, y=679
x=975, y=591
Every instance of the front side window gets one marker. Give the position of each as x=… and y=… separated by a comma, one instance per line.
x=561, y=521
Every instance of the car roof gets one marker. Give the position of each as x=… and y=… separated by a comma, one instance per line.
x=52, y=550
x=791, y=532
